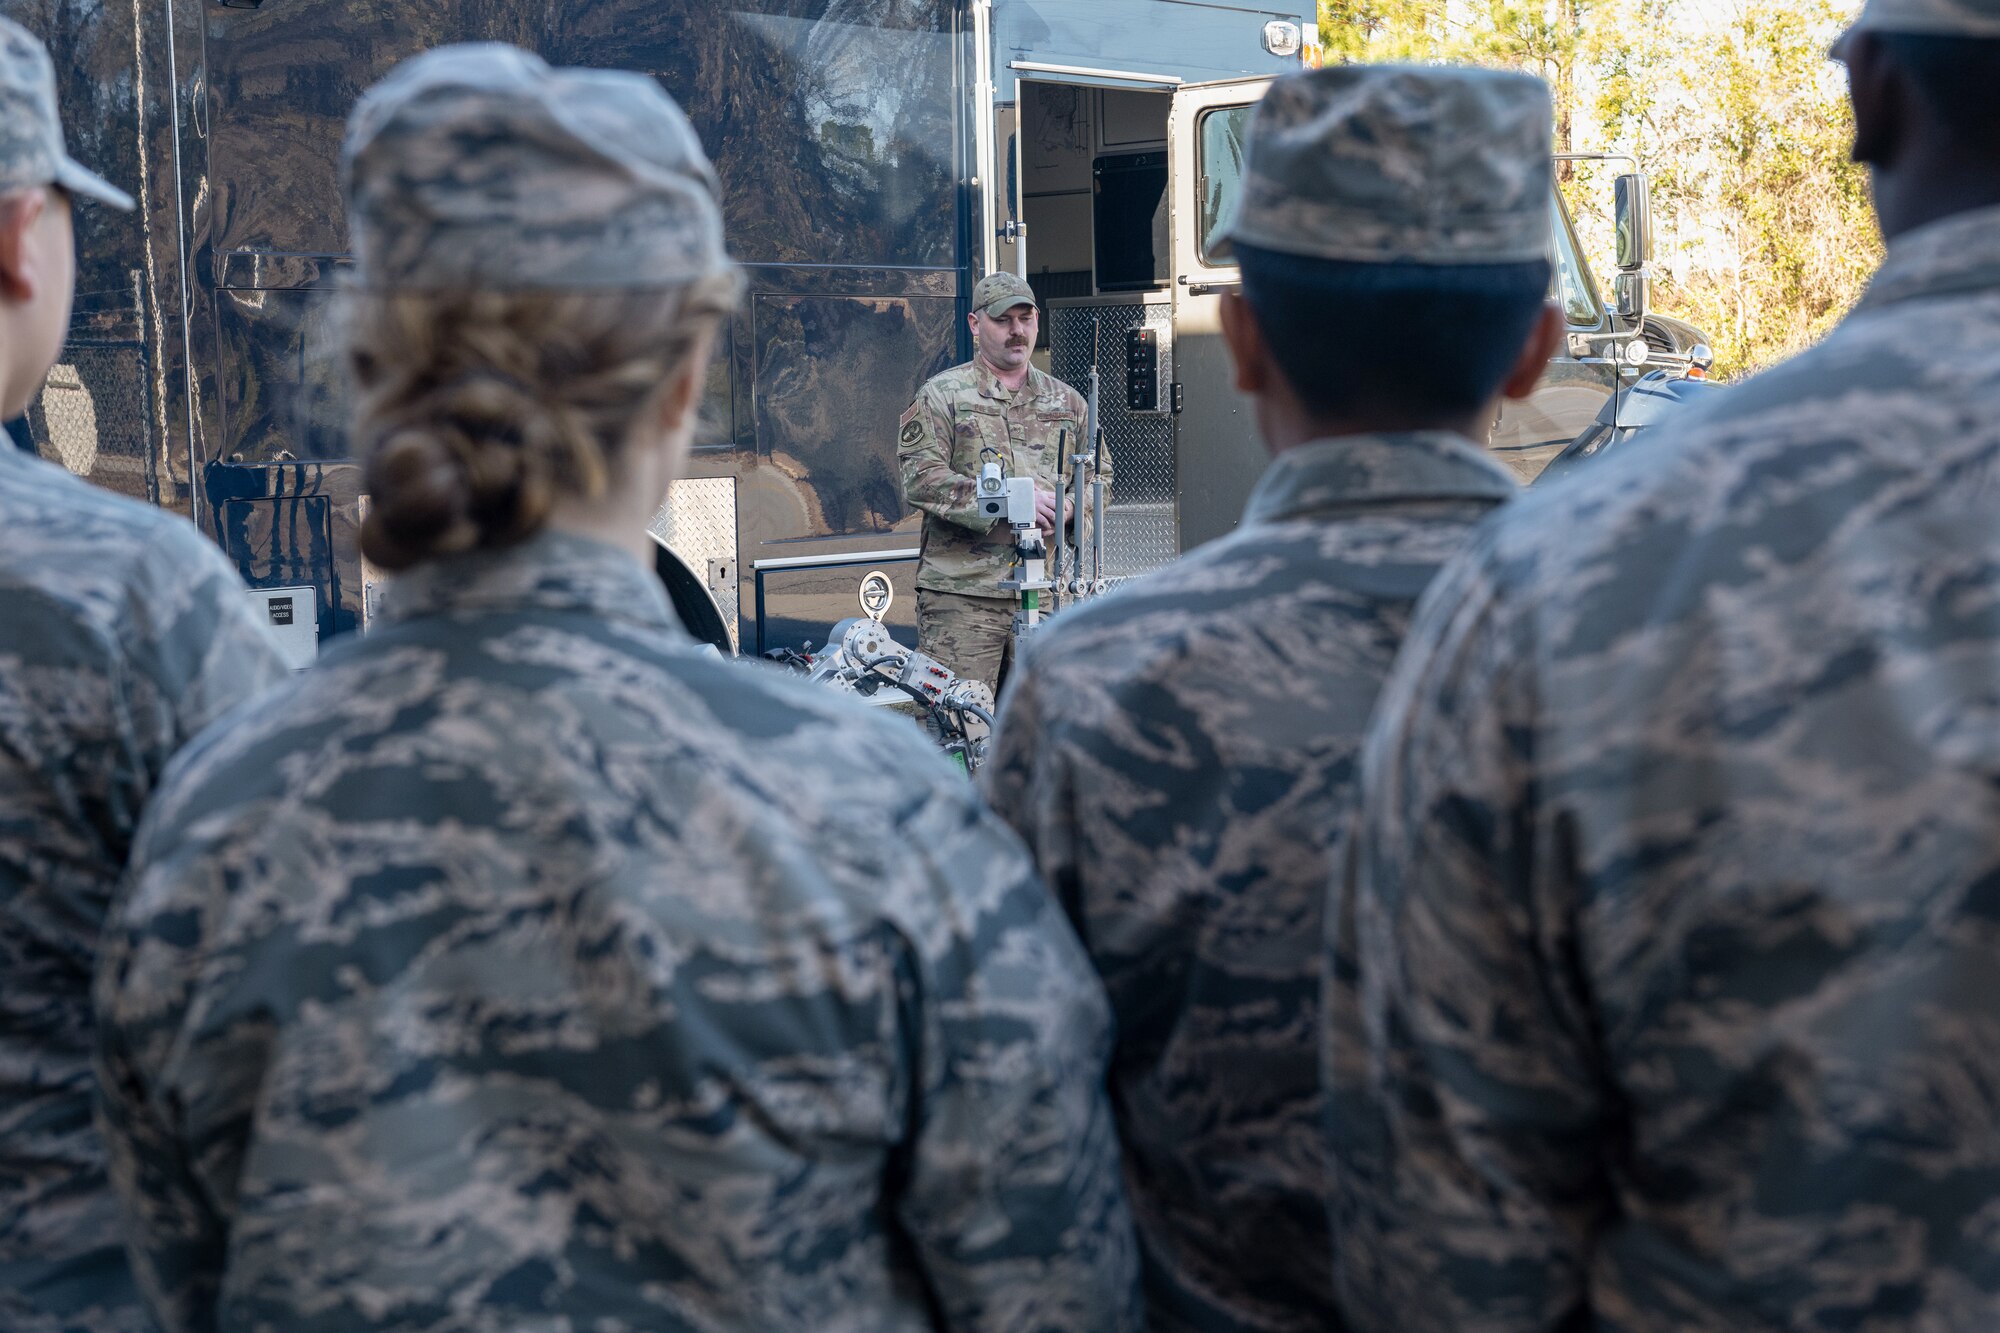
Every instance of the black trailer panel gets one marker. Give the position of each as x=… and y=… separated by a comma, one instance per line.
x=835, y=129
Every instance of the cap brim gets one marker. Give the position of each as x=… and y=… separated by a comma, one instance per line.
x=75, y=178
x=1838, y=51
x=1005, y=304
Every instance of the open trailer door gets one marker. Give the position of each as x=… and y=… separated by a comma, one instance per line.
x=1218, y=456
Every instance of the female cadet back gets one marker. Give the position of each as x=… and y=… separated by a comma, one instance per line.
x=525, y=966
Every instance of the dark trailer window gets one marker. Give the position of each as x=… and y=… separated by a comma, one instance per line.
x=833, y=125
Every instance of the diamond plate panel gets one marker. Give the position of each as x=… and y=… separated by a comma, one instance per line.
x=91, y=417
x=1141, y=530
x=698, y=524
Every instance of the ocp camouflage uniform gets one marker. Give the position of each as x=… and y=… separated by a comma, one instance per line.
x=1674, y=956
x=1180, y=757
x=964, y=617
x=526, y=967
x=122, y=633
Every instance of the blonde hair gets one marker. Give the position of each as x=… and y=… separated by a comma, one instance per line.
x=477, y=410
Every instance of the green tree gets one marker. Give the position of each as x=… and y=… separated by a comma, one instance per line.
x=1735, y=110
x=1775, y=233
x=1382, y=29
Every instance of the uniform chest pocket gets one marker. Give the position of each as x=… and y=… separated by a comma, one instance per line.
x=974, y=431
x=1056, y=434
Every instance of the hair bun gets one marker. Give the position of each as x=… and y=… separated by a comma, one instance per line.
x=476, y=411
x=422, y=500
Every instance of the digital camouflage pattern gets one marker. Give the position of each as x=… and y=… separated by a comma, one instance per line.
x=1180, y=756
x=1671, y=972
x=122, y=633
x=939, y=440
x=1432, y=164
x=1945, y=18
x=479, y=166
x=31, y=137
x=972, y=636
x=527, y=967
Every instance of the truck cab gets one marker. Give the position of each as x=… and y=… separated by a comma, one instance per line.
x=1117, y=184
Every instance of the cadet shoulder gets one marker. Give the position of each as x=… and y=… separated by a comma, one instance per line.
x=57, y=508
x=952, y=383
x=860, y=753
x=1641, y=514
x=891, y=735
x=1101, y=635
x=757, y=726
x=112, y=560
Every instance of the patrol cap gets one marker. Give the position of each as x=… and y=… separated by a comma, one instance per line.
x=480, y=166
x=1400, y=164
x=31, y=138
x=1937, y=18
x=1971, y=19
x=997, y=293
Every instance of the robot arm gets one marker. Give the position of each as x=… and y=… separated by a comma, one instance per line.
x=861, y=656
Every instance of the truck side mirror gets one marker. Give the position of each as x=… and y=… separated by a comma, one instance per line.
x=1633, y=213
x=1635, y=293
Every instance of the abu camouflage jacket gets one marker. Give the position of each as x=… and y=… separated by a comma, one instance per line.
x=940, y=441
x=1180, y=756
x=527, y=967
x=123, y=632
x=1669, y=981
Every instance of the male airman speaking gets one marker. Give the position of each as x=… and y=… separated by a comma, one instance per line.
x=996, y=406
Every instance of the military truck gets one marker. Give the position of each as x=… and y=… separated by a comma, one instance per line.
x=876, y=156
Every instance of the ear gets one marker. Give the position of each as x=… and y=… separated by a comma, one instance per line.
x=1249, y=354
x=22, y=263
x=1544, y=341
x=1881, y=104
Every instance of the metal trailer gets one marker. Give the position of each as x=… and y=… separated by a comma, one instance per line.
x=876, y=157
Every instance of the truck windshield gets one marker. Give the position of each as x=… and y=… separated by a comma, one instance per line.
x=1571, y=281
x=1222, y=133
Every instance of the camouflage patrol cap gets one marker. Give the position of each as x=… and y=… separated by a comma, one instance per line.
x=481, y=167
x=31, y=138
x=1940, y=18
x=1400, y=164
x=997, y=293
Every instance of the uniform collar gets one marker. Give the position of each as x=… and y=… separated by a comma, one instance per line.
x=991, y=387
x=1959, y=255
x=1353, y=470
x=551, y=571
